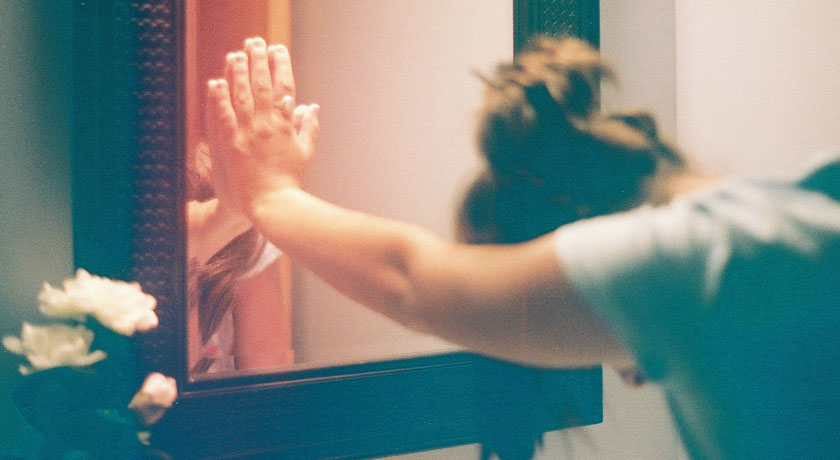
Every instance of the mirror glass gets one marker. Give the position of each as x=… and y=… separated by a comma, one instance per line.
x=397, y=96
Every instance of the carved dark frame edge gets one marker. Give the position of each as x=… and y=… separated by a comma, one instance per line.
x=127, y=220
x=556, y=18
x=129, y=224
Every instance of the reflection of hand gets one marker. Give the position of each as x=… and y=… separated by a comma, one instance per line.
x=212, y=222
x=256, y=146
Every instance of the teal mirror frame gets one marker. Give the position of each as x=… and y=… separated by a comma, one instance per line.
x=128, y=223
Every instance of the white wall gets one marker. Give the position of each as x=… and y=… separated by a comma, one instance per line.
x=637, y=38
x=397, y=101
x=757, y=82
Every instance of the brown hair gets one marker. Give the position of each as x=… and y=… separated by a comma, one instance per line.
x=213, y=285
x=551, y=156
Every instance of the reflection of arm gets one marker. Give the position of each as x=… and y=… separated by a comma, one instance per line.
x=508, y=301
x=262, y=318
x=210, y=229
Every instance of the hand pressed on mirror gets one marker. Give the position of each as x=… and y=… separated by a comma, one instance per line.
x=239, y=307
x=239, y=315
x=259, y=146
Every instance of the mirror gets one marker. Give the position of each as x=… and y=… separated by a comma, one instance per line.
x=383, y=149
x=129, y=222
x=239, y=286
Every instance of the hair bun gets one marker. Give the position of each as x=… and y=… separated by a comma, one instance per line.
x=570, y=70
x=552, y=156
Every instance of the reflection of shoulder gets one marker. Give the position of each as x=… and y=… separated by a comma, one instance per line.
x=269, y=254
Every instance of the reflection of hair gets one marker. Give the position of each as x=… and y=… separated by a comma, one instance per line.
x=552, y=157
x=212, y=286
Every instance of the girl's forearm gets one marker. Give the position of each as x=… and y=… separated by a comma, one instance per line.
x=506, y=301
x=365, y=257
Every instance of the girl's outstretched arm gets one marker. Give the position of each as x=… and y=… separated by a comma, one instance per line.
x=511, y=301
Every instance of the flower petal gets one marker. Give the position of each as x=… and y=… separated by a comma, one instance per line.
x=156, y=395
x=56, y=345
x=13, y=344
x=120, y=306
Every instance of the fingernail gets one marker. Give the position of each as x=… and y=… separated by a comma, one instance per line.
x=249, y=42
x=259, y=42
x=241, y=57
x=315, y=109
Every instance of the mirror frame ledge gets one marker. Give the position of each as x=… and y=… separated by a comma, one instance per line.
x=128, y=223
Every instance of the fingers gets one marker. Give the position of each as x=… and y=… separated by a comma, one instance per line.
x=280, y=64
x=257, y=81
x=261, y=84
x=237, y=75
x=221, y=117
x=221, y=130
x=260, y=77
x=297, y=116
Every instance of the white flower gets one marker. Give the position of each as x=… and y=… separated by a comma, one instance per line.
x=120, y=306
x=52, y=346
x=155, y=396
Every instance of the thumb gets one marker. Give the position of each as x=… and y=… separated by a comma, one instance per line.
x=309, y=128
x=221, y=119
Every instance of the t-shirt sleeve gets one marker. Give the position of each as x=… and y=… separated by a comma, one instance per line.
x=269, y=254
x=645, y=272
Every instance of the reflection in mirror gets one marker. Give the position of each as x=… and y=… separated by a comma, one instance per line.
x=397, y=116
x=239, y=308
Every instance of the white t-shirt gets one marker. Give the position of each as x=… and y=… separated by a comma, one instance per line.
x=730, y=299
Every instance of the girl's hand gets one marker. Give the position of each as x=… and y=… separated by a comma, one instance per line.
x=259, y=141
